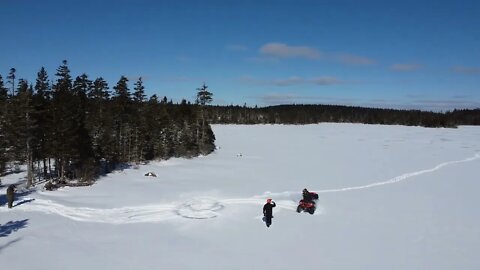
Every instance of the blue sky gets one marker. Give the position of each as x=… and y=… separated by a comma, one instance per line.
x=399, y=54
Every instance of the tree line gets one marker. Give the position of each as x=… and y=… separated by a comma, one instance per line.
x=310, y=114
x=77, y=128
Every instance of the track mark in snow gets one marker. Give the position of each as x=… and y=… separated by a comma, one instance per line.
x=197, y=208
x=200, y=208
x=402, y=177
x=138, y=214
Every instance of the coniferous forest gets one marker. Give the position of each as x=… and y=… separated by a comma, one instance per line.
x=311, y=114
x=76, y=128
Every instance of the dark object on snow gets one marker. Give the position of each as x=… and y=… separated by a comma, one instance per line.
x=55, y=184
x=151, y=174
x=268, y=212
x=309, y=196
x=308, y=203
x=10, y=195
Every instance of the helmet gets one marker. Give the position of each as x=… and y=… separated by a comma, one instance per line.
x=305, y=190
x=269, y=200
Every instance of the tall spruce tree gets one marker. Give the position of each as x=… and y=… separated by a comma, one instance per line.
x=25, y=127
x=204, y=138
x=3, y=125
x=44, y=118
x=64, y=119
x=11, y=79
x=139, y=121
x=123, y=129
x=204, y=96
x=100, y=121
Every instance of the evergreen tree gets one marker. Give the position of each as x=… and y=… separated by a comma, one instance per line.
x=203, y=137
x=99, y=90
x=122, y=116
x=43, y=118
x=64, y=137
x=203, y=95
x=139, y=122
x=24, y=127
x=3, y=90
x=11, y=79
x=139, y=91
x=3, y=125
x=100, y=121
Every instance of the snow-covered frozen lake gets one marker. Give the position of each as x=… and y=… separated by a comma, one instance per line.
x=391, y=197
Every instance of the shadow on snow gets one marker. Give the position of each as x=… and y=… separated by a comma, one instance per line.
x=12, y=226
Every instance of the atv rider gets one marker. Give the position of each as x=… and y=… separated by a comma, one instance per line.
x=307, y=195
x=268, y=211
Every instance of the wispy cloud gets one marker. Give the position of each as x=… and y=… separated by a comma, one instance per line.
x=326, y=80
x=294, y=80
x=405, y=67
x=353, y=60
x=466, y=70
x=289, y=98
x=236, y=47
x=280, y=50
x=415, y=104
x=274, y=52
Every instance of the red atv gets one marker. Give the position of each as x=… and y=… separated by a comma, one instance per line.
x=308, y=205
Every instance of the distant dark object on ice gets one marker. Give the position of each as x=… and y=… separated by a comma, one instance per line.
x=151, y=174
x=58, y=183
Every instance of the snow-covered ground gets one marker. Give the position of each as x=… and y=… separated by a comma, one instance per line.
x=391, y=197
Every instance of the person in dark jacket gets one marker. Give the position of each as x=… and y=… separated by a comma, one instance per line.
x=10, y=195
x=307, y=196
x=268, y=211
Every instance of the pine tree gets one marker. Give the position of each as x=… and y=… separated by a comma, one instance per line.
x=11, y=79
x=203, y=137
x=43, y=118
x=99, y=120
x=3, y=125
x=122, y=116
x=139, y=121
x=203, y=95
x=25, y=127
x=139, y=91
x=64, y=119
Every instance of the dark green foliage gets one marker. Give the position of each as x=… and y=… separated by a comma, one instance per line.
x=309, y=114
x=203, y=95
x=77, y=129
x=11, y=80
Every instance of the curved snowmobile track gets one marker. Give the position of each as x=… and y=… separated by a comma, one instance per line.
x=196, y=208
x=402, y=177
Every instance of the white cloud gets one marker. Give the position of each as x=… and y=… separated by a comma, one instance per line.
x=325, y=80
x=280, y=50
x=289, y=98
x=405, y=67
x=466, y=70
x=294, y=80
